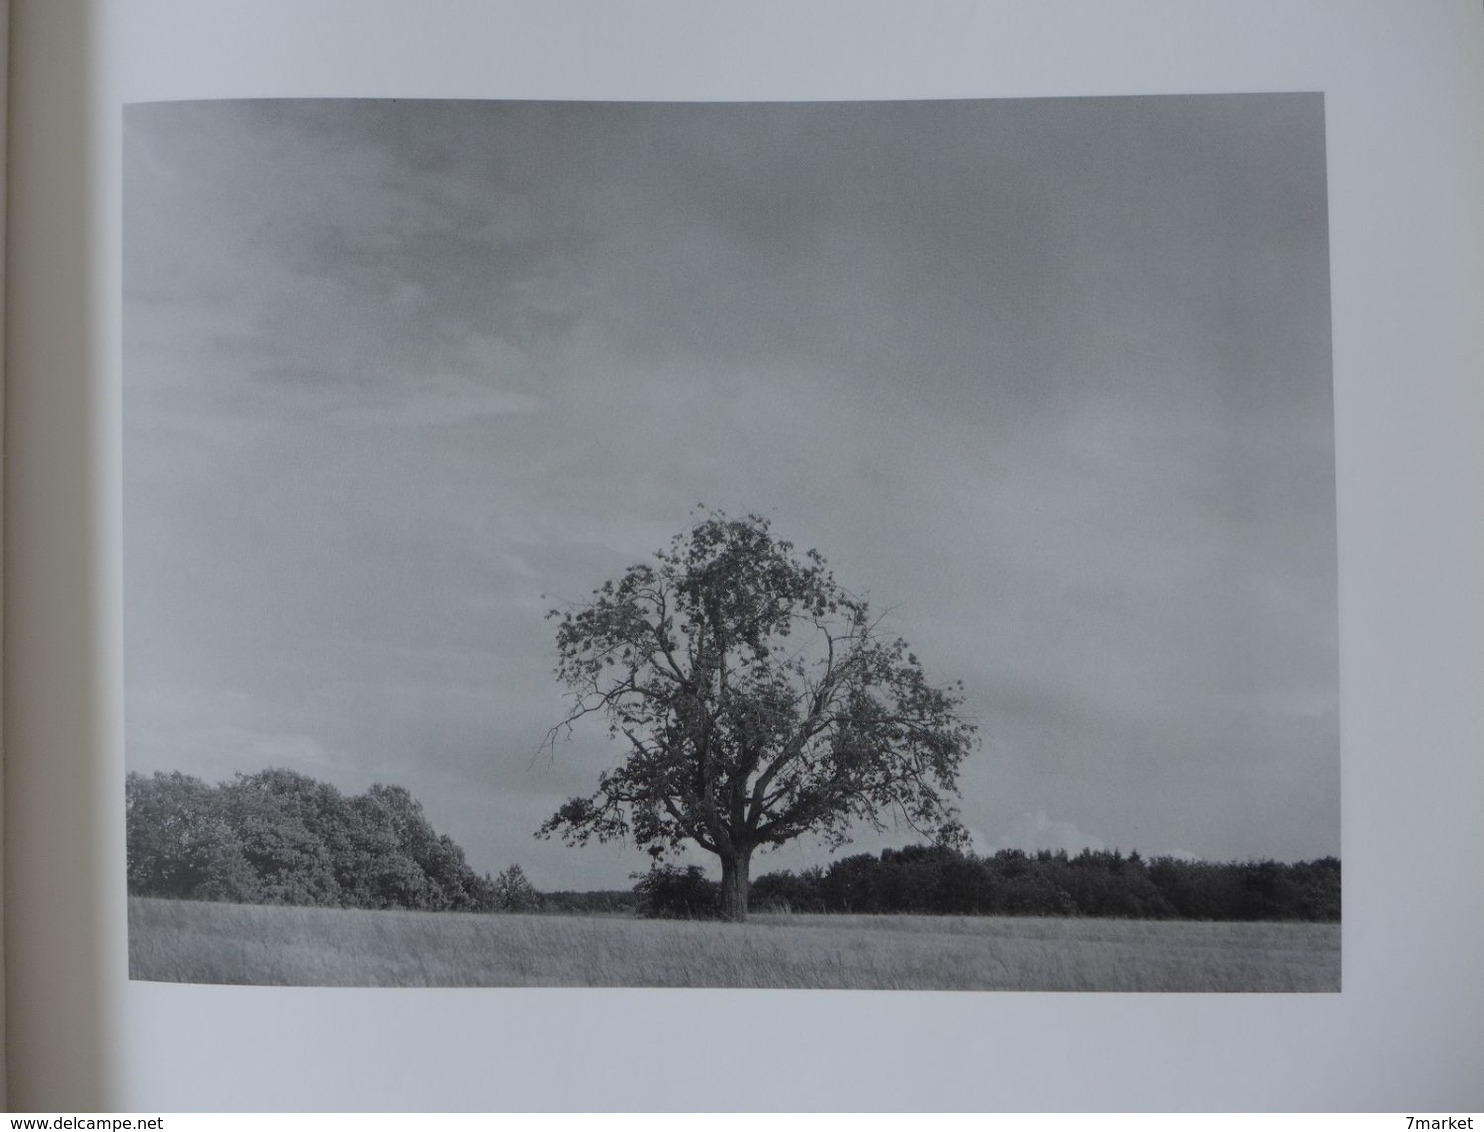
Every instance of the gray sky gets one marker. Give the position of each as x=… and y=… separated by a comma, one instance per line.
x=1049, y=380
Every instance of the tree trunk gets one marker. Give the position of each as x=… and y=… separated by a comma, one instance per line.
x=734, y=882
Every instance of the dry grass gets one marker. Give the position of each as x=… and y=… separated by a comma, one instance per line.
x=231, y=943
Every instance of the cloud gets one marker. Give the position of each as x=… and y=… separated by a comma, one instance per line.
x=1034, y=832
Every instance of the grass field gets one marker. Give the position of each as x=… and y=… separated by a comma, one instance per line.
x=180, y=941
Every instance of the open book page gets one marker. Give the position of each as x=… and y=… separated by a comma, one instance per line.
x=1122, y=360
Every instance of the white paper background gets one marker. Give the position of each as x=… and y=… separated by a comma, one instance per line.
x=1404, y=86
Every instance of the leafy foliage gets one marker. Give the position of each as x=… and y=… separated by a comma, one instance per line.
x=670, y=893
x=279, y=837
x=757, y=701
x=514, y=892
x=597, y=902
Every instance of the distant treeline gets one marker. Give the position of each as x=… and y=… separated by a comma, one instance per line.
x=932, y=879
x=940, y=881
x=278, y=837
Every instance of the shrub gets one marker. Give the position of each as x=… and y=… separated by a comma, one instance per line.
x=670, y=893
x=514, y=893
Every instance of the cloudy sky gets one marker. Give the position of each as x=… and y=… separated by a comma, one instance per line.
x=1047, y=380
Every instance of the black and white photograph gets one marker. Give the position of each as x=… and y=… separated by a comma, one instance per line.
x=860, y=545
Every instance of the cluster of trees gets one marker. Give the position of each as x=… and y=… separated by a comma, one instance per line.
x=935, y=879
x=279, y=837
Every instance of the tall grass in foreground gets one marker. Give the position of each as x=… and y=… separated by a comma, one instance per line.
x=184, y=941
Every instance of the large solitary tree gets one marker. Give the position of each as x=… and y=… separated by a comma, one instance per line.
x=756, y=701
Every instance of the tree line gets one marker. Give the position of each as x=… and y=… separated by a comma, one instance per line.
x=279, y=837
x=939, y=880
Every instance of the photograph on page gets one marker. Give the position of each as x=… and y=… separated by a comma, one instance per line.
x=864, y=545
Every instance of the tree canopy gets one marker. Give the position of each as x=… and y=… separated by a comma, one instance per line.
x=756, y=700
x=279, y=837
